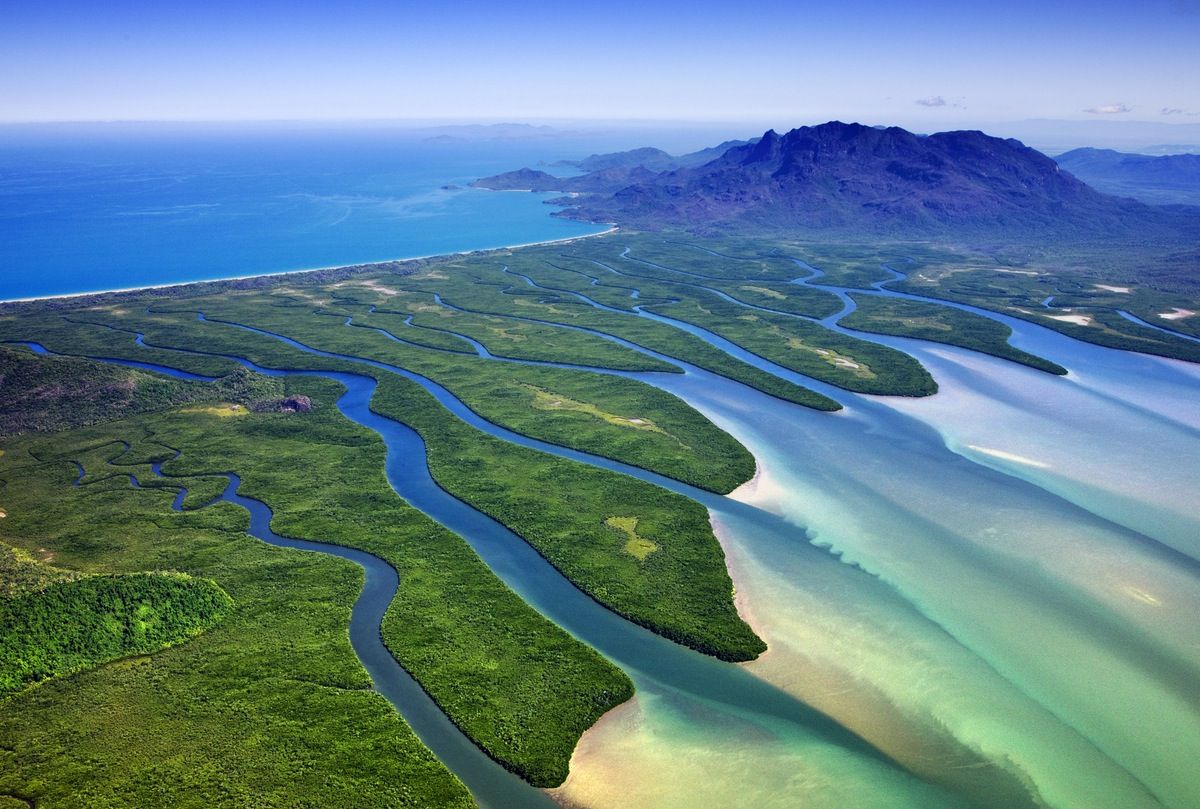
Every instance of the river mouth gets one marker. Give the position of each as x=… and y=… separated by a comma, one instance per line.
x=910, y=563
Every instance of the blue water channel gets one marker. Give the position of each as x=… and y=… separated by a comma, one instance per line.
x=657, y=666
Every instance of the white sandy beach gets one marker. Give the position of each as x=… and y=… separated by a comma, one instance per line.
x=1078, y=320
x=483, y=250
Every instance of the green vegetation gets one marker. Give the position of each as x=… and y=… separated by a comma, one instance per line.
x=518, y=685
x=73, y=625
x=268, y=707
x=56, y=393
x=560, y=507
x=850, y=265
x=941, y=324
x=103, y=331
x=781, y=296
x=522, y=340
x=505, y=295
x=1087, y=290
x=687, y=447
x=1087, y=285
x=557, y=505
x=723, y=262
x=809, y=348
x=797, y=344
x=711, y=458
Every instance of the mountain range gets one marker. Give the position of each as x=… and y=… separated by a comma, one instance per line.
x=839, y=178
x=1160, y=179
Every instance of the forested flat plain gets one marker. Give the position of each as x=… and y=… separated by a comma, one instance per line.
x=220, y=669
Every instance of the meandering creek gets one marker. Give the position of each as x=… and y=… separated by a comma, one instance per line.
x=986, y=597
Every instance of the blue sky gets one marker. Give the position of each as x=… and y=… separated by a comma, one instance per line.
x=923, y=63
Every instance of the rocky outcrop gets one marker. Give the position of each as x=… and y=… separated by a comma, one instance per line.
x=296, y=403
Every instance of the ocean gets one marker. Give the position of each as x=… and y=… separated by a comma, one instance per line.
x=93, y=207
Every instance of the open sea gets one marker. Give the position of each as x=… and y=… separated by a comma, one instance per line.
x=94, y=207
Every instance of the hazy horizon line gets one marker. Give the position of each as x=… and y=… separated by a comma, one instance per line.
x=550, y=121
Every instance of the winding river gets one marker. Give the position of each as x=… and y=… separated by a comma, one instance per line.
x=985, y=597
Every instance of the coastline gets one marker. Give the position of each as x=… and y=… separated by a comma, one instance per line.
x=612, y=228
x=741, y=602
x=617, y=719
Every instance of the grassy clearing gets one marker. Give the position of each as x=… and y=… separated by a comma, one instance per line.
x=549, y=400
x=21, y=572
x=223, y=410
x=636, y=545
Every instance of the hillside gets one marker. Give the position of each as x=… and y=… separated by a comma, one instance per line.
x=51, y=393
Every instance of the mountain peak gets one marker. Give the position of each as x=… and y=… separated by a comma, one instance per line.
x=767, y=148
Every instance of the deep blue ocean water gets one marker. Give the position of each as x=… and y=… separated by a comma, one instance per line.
x=109, y=207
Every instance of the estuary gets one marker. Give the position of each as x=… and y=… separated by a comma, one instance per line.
x=979, y=598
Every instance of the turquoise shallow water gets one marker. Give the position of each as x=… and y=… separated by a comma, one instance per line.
x=1008, y=593
x=1009, y=605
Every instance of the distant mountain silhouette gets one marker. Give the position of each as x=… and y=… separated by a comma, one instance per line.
x=1162, y=180
x=653, y=159
x=849, y=178
x=647, y=157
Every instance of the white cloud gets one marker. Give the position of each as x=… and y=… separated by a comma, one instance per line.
x=931, y=101
x=1109, y=109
